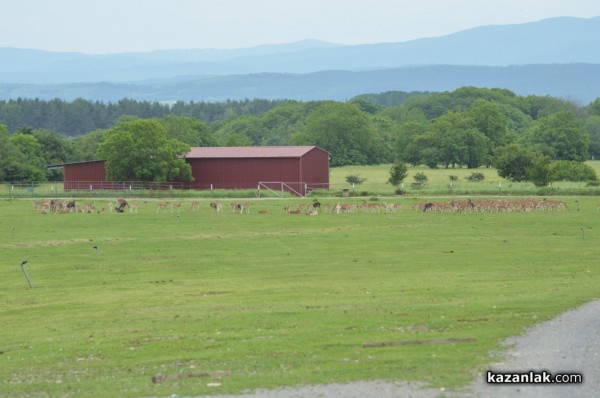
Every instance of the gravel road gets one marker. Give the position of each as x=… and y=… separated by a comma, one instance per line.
x=569, y=343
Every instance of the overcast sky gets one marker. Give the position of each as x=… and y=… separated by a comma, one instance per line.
x=113, y=26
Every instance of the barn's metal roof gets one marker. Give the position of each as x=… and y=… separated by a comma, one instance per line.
x=249, y=152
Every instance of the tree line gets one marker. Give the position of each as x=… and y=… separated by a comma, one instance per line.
x=469, y=127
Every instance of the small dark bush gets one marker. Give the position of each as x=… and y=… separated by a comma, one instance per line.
x=475, y=177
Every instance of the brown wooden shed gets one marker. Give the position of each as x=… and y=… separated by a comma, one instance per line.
x=296, y=169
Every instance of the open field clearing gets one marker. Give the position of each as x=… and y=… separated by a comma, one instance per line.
x=251, y=300
x=439, y=182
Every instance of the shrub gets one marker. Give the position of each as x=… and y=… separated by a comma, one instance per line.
x=355, y=179
x=567, y=170
x=421, y=178
x=475, y=177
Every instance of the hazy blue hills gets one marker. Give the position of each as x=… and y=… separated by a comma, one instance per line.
x=578, y=82
x=555, y=56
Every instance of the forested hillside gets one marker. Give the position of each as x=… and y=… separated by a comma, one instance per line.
x=469, y=127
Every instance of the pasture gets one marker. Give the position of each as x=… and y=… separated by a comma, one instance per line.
x=277, y=299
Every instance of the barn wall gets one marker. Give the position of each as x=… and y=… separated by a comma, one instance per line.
x=242, y=173
x=78, y=175
x=314, y=168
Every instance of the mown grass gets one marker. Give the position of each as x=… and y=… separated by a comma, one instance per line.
x=439, y=182
x=277, y=299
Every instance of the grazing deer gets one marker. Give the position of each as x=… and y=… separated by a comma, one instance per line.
x=216, y=206
x=133, y=208
x=162, y=206
x=289, y=211
x=175, y=206
x=389, y=208
x=244, y=207
x=122, y=205
x=195, y=206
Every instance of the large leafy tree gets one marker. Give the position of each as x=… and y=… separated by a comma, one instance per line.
x=248, y=126
x=489, y=120
x=189, y=130
x=592, y=126
x=20, y=157
x=405, y=146
x=513, y=162
x=141, y=150
x=458, y=141
x=86, y=146
x=285, y=119
x=55, y=150
x=540, y=173
x=560, y=136
x=343, y=131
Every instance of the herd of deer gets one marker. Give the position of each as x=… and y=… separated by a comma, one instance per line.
x=120, y=205
x=314, y=208
x=491, y=206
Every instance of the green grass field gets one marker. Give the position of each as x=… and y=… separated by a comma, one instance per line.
x=277, y=299
x=439, y=182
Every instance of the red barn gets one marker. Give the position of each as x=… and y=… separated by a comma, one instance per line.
x=296, y=169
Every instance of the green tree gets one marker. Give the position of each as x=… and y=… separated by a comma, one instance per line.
x=367, y=106
x=232, y=138
x=86, y=146
x=398, y=173
x=423, y=149
x=189, y=130
x=249, y=126
x=592, y=126
x=513, y=161
x=28, y=162
x=539, y=173
x=343, y=131
x=140, y=150
x=458, y=142
x=405, y=147
x=283, y=120
x=560, y=136
x=355, y=179
x=542, y=106
x=56, y=149
x=421, y=178
x=489, y=120
x=568, y=170
x=476, y=149
x=594, y=107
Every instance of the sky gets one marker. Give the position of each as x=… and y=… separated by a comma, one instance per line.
x=117, y=26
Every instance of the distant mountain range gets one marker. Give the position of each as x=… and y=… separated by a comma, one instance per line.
x=558, y=57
